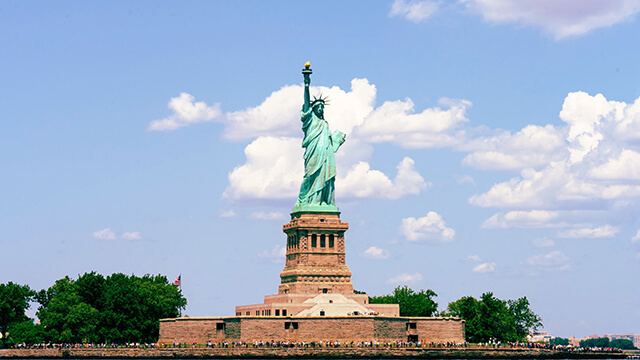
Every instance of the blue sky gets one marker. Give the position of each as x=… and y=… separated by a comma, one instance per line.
x=492, y=145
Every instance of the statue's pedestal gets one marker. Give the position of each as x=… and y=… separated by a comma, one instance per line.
x=315, y=255
x=316, y=280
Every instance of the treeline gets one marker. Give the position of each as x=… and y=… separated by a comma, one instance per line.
x=604, y=342
x=486, y=319
x=92, y=309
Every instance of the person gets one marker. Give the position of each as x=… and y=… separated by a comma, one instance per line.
x=320, y=144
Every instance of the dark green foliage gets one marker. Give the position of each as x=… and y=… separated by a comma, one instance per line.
x=493, y=319
x=14, y=301
x=118, y=308
x=624, y=344
x=597, y=342
x=27, y=332
x=411, y=303
x=558, y=341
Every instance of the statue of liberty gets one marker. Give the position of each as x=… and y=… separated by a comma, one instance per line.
x=317, y=189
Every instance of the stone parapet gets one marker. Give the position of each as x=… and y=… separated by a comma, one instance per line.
x=312, y=328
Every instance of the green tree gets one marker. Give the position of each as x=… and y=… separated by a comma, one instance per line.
x=411, y=303
x=558, y=341
x=118, y=308
x=524, y=318
x=27, y=332
x=14, y=301
x=624, y=344
x=597, y=342
x=493, y=319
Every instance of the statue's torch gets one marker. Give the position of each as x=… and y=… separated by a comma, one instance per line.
x=307, y=69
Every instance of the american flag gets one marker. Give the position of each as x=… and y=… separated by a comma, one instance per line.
x=177, y=280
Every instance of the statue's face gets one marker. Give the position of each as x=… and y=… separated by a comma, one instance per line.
x=319, y=110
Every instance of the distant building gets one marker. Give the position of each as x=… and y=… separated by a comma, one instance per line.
x=539, y=336
x=635, y=338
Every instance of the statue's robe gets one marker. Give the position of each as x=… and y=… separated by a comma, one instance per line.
x=319, y=162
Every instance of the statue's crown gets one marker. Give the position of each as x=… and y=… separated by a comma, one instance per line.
x=317, y=100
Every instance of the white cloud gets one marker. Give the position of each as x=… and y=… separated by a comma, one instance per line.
x=227, y=214
x=185, y=113
x=405, y=278
x=625, y=166
x=485, y=267
x=636, y=238
x=474, y=258
x=599, y=232
x=376, y=253
x=560, y=19
x=268, y=215
x=276, y=255
x=361, y=182
x=106, y=234
x=553, y=261
x=273, y=170
x=530, y=147
x=543, y=242
x=279, y=113
x=523, y=219
x=598, y=166
x=134, y=235
x=414, y=10
x=396, y=122
x=464, y=179
x=431, y=228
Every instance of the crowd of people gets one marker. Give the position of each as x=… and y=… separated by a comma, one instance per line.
x=320, y=344
x=84, y=346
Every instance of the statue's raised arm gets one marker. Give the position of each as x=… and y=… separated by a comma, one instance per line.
x=317, y=189
x=307, y=81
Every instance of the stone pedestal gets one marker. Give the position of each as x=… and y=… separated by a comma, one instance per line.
x=315, y=262
x=316, y=280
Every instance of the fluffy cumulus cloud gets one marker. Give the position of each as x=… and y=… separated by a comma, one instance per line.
x=416, y=11
x=105, y=234
x=274, y=166
x=405, y=279
x=429, y=228
x=553, y=261
x=185, y=112
x=464, y=179
x=276, y=255
x=361, y=182
x=595, y=170
x=376, y=253
x=560, y=19
x=530, y=147
x=606, y=231
x=523, y=219
x=485, y=267
x=398, y=123
x=279, y=113
x=273, y=170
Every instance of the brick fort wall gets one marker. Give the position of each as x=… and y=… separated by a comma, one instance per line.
x=202, y=330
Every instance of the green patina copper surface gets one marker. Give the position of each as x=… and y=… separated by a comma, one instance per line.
x=320, y=144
